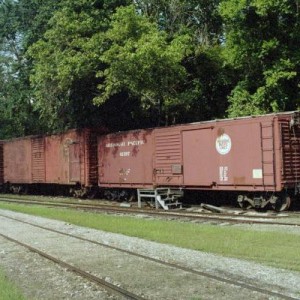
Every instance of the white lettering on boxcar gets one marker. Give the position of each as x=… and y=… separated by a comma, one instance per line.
x=223, y=144
x=112, y=145
x=223, y=173
x=135, y=143
x=124, y=172
x=123, y=144
x=127, y=153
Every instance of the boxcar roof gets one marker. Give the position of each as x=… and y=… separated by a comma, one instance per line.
x=209, y=122
x=152, y=128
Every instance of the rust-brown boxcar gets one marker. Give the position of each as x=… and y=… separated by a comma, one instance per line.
x=71, y=158
x=258, y=157
x=68, y=159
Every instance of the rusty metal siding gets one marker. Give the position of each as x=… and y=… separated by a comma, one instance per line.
x=1, y=164
x=67, y=158
x=91, y=156
x=74, y=162
x=168, y=156
x=230, y=155
x=38, y=160
x=268, y=153
x=56, y=160
x=198, y=156
x=126, y=159
x=290, y=143
x=59, y=158
x=17, y=162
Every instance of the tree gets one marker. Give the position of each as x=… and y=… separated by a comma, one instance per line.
x=20, y=24
x=199, y=17
x=262, y=44
x=141, y=61
x=66, y=61
x=207, y=83
x=14, y=105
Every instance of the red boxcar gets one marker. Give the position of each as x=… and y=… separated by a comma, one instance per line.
x=68, y=159
x=71, y=158
x=257, y=156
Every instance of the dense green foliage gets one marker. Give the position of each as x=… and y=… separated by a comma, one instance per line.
x=21, y=24
x=126, y=64
x=141, y=61
x=262, y=39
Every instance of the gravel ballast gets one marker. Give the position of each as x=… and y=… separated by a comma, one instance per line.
x=41, y=279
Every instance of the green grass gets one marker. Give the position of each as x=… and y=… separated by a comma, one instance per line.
x=8, y=291
x=271, y=248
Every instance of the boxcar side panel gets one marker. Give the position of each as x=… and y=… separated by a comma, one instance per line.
x=235, y=154
x=90, y=162
x=1, y=164
x=237, y=148
x=74, y=162
x=38, y=159
x=289, y=137
x=17, y=162
x=168, y=156
x=198, y=158
x=126, y=159
x=64, y=155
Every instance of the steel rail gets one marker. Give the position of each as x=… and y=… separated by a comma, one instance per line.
x=172, y=265
x=149, y=210
x=142, y=210
x=234, y=219
x=99, y=281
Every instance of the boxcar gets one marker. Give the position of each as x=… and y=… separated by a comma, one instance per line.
x=256, y=157
x=71, y=158
x=52, y=162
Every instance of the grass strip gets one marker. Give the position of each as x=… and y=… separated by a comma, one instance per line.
x=276, y=249
x=8, y=291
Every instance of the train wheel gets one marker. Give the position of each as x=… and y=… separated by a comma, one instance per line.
x=92, y=193
x=132, y=197
x=243, y=203
x=282, y=203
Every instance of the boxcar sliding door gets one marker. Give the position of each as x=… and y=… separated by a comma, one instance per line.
x=74, y=161
x=197, y=157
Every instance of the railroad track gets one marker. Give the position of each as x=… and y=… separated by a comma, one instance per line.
x=194, y=216
x=120, y=291
x=99, y=281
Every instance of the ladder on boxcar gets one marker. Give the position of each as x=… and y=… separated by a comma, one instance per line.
x=267, y=157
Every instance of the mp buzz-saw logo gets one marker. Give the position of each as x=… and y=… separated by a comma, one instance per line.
x=223, y=144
